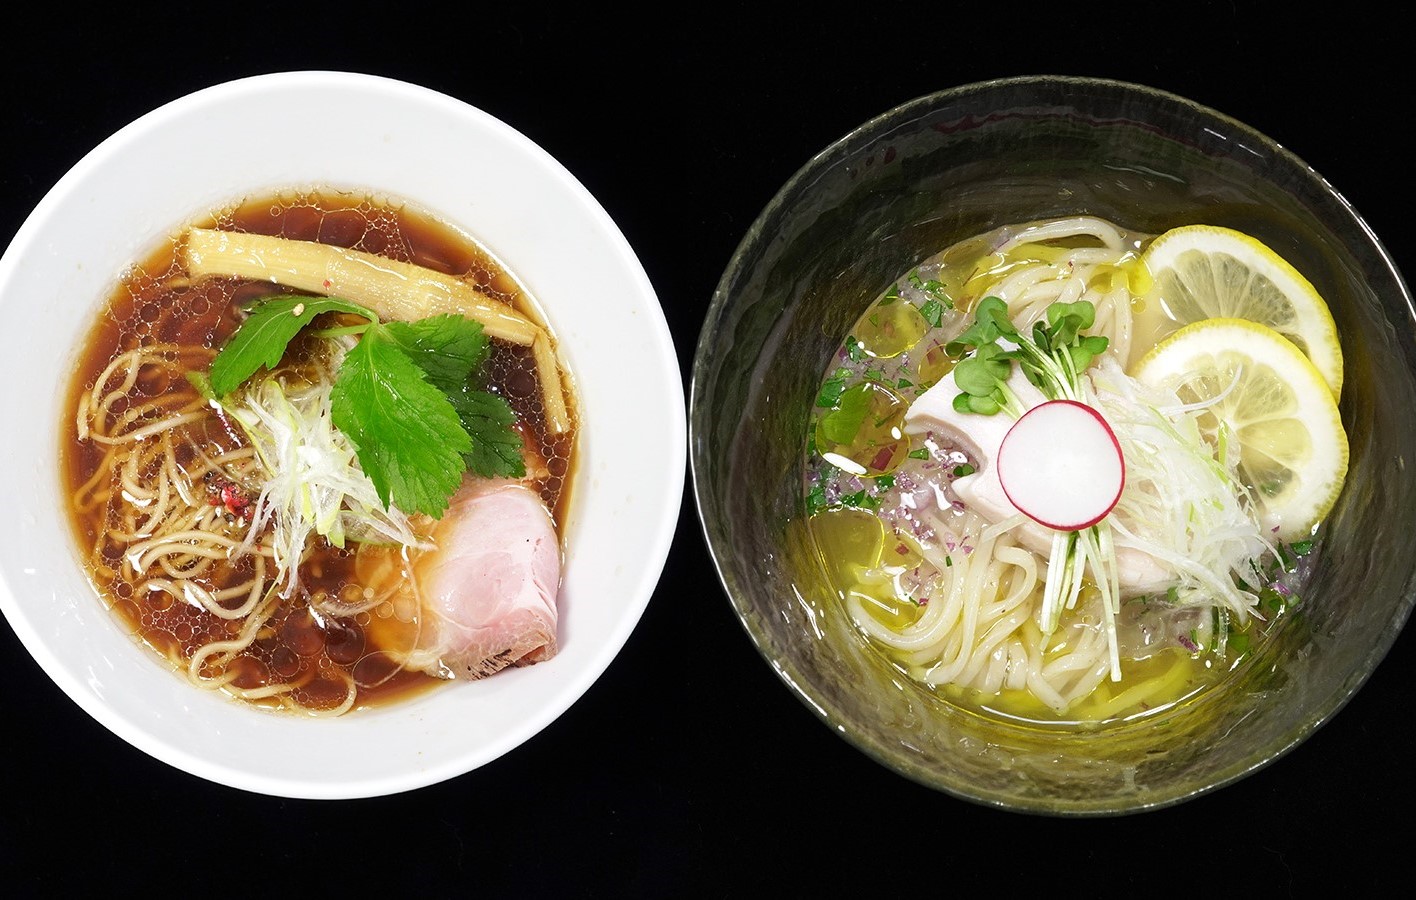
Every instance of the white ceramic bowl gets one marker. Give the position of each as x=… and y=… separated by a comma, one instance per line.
x=473, y=172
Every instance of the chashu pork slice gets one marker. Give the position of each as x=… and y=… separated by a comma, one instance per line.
x=488, y=592
x=980, y=436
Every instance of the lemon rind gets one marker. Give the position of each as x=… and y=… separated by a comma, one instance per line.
x=1326, y=470
x=1312, y=319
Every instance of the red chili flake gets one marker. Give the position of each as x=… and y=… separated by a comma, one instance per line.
x=227, y=494
x=235, y=500
x=923, y=601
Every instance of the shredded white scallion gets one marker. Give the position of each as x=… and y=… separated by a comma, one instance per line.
x=314, y=482
x=1183, y=504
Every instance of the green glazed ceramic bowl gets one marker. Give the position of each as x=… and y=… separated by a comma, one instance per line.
x=956, y=163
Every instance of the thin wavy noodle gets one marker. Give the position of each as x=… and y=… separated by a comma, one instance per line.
x=955, y=601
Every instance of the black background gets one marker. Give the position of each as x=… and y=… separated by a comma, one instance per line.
x=688, y=768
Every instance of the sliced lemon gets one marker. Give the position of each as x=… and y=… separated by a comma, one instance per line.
x=1205, y=272
x=1273, y=404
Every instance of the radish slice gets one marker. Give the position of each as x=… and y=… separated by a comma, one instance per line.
x=1060, y=465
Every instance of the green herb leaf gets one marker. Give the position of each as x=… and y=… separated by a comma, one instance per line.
x=496, y=445
x=408, y=437
x=448, y=348
x=983, y=406
x=841, y=424
x=920, y=453
x=990, y=323
x=262, y=338
x=832, y=387
x=854, y=350
x=981, y=373
x=861, y=499
x=815, y=500
x=932, y=311
x=935, y=289
x=1271, y=601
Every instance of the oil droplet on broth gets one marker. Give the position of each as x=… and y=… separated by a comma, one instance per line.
x=849, y=544
x=865, y=430
x=889, y=329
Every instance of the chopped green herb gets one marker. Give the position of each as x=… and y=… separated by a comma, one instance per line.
x=935, y=289
x=1271, y=601
x=919, y=453
x=861, y=499
x=854, y=350
x=841, y=424
x=932, y=311
x=884, y=482
x=815, y=500
x=1238, y=642
x=832, y=388
x=904, y=383
x=963, y=469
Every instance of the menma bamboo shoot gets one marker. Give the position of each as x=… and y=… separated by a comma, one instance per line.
x=394, y=290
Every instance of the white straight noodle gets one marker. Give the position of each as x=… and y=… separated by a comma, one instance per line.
x=1065, y=228
x=947, y=668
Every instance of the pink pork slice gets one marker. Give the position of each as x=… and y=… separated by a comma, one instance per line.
x=489, y=589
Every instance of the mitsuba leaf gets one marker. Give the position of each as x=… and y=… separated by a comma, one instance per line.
x=261, y=340
x=448, y=348
x=496, y=445
x=409, y=438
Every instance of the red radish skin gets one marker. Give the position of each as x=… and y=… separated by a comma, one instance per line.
x=1061, y=465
